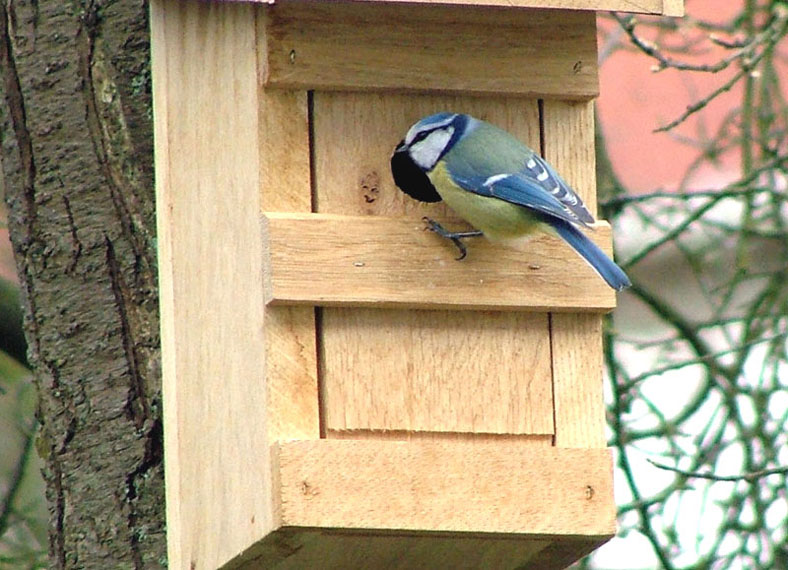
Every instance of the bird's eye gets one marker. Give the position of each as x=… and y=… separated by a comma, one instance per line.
x=421, y=136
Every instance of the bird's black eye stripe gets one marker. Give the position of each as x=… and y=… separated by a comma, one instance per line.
x=421, y=136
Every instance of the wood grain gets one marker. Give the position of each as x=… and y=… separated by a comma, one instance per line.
x=290, y=334
x=390, y=46
x=577, y=380
x=295, y=548
x=446, y=487
x=576, y=338
x=355, y=135
x=371, y=354
x=218, y=468
x=333, y=260
x=654, y=7
x=469, y=372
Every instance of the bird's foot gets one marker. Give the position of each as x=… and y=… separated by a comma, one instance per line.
x=455, y=237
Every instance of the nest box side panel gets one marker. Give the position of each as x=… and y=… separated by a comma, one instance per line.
x=219, y=487
x=576, y=337
x=431, y=371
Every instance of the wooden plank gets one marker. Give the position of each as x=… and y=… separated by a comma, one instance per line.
x=218, y=469
x=576, y=338
x=334, y=549
x=533, y=440
x=334, y=260
x=560, y=554
x=483, y=373
x=448, y=487
x=577, y=380
x=673, y=8
x=290, y=334
x=569, y=145
x=379, y=46
x=653, y=7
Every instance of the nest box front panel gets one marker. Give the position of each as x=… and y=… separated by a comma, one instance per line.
x=409, y=370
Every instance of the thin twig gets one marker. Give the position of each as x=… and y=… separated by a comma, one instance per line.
x=748, y=477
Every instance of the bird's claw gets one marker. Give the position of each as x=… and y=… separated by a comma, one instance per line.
x=435, y=227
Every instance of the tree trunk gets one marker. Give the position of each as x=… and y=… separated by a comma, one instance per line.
x=78, y=176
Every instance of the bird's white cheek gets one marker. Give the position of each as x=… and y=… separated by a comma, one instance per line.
x=425, y=153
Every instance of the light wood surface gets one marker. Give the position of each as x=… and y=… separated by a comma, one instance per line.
x=355, y=135
x=385, y=46
x=330, y=260
x=218, y=475
x=396, y=485
x=470, y=372
x=290, y=334
x=369, y=355
x=576, y=338
x=654, y=7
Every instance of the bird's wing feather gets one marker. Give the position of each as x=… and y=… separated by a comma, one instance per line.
x=521, y=190
x=494, y=163
x=538, y=170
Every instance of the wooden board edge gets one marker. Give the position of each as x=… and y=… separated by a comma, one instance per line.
x=172, y=445
x=651, y=7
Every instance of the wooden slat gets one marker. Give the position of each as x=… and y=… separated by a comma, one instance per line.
x=379, y=46
x=334, y=260
x=218, y=470
x=654, y=7
x=290, y=335
x=483, y=373
x=577, y=381
x=576, y=338
x=569, y=145
x=673, y=8
x=447, y=487
x=335, y=549
x=538, y=440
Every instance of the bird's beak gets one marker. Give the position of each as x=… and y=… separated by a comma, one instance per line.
x=400, y=146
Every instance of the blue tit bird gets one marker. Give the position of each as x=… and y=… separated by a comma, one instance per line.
x=497, y=184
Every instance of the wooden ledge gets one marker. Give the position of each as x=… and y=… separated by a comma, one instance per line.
x=446, y=486
x=385, y=46
x=652, y=7
x=334, y=260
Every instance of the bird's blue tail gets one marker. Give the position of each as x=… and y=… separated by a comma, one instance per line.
x=588, y=250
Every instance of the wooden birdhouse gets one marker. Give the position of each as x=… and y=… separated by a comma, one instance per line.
x=339, y=391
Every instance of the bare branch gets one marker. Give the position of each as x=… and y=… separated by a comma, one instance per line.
x=748, y=477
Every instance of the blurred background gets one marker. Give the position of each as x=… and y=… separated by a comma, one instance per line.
x=692, y=160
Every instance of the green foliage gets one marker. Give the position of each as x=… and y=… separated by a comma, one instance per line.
x=23, y=513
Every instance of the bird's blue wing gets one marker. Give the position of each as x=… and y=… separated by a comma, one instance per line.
x=554, y=184
x=490, y=162
x=521, y=189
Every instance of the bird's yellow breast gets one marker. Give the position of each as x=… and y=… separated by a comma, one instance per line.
x=498, y=219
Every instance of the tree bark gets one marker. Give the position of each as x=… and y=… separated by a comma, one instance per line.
x=77, y=166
